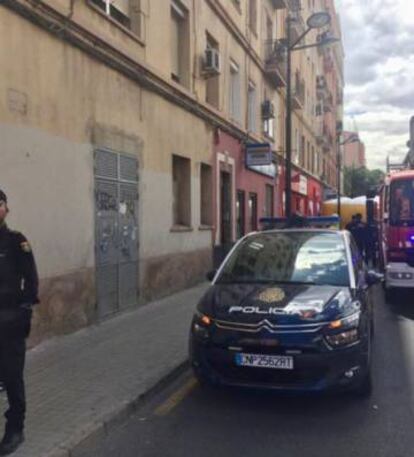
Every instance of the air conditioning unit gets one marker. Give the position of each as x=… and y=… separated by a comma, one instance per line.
x=268, y=110
x=212, y=62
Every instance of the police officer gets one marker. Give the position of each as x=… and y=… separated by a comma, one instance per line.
x=18, y=292
x=360, y=234
x=351, y=225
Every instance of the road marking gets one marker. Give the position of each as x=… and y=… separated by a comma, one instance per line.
x=176, y=398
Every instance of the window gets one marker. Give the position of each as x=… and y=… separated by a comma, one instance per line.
x=269, y=203
x=296, y=147
x=206, y=203
x=212, y=82
x=234, y=93
x=314, y=161
x=253, y=212
x=302, y=152
x=309, y=157
x=117, y=9
x=269, y=128
x=137, y=19
x=240, y=213
x=253, y=15
x=179, y=44
x=251, y=108
x=402, y=203
x=269, y=28
x=181, y=175
x=386, y=200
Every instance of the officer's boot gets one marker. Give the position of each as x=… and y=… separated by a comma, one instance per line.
x=11, y=441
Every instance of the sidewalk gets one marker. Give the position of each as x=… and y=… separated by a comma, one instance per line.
x=81, y=384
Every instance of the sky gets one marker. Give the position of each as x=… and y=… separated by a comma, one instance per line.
x=378, y=38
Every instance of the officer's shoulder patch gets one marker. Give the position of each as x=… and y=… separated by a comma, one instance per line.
x=21, y=240
x=25, y=246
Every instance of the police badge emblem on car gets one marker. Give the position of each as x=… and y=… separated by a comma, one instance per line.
x=271, y=295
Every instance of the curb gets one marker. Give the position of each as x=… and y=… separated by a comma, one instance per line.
x=95, y=432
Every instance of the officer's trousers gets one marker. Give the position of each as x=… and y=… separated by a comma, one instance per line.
x=12, y=358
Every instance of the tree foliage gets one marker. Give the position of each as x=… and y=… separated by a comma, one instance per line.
x=360, y=181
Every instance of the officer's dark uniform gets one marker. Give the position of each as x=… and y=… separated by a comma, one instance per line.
x=18, y=291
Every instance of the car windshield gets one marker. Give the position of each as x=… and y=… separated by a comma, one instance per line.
x=402, y=202
x=289, y=257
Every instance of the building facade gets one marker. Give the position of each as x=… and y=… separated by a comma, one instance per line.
x=353, y=151
x=125, y=125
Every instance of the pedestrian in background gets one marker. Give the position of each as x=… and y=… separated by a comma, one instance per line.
x=18, y=293
x=360, y=234
x=350, y=226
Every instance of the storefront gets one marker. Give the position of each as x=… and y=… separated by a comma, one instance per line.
x=245, y=188
x=314, y=197
x=307, y=193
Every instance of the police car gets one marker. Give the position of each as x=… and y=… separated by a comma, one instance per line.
x=289, y=309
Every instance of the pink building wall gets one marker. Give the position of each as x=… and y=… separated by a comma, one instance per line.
x=353, y=153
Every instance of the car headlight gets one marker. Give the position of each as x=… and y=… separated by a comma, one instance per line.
x=343, y=339
x=346, y=322
x=201, y=324
x=346, y=331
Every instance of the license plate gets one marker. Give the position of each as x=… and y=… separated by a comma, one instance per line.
x=278, y=362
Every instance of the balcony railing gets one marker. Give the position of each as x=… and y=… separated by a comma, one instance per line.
x=298, y=92
x=275, y=58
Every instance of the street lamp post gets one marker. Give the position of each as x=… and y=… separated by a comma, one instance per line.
x=288, y=133
x=316, y=20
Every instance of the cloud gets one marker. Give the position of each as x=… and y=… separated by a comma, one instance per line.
x=379, y=69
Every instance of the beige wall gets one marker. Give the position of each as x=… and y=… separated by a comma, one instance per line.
x=49, y=181
x=49, y=118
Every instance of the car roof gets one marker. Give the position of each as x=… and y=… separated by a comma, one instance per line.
x=300, y=230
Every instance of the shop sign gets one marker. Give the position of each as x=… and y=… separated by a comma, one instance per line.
x=258, y=154
x=300, y=185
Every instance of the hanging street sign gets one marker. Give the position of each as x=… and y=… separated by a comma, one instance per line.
x=258, y=154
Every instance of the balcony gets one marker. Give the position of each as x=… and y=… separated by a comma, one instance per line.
x=280, y=4
x=297, y=25
x=276, y=62
x=298, y=92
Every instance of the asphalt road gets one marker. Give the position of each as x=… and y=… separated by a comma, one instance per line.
x=185, y=420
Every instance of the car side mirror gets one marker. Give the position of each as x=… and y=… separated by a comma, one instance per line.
x=211, y=274
x=373, y=277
